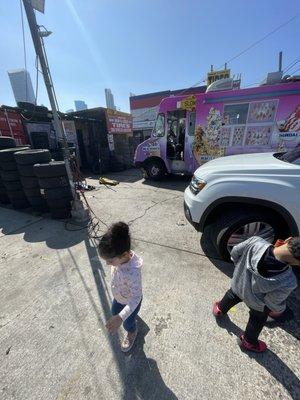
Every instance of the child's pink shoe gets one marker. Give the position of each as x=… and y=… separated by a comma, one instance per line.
x=245, y=345
x=216, y=310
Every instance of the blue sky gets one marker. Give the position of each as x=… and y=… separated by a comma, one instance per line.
x=144, y=46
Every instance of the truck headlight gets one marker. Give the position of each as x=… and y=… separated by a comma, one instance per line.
x=196, y=185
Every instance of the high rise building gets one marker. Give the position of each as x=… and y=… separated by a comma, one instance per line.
x=21, y=85
x=80, y=105
x=109, y=99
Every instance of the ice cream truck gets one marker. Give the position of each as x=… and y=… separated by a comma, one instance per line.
x=191, y=130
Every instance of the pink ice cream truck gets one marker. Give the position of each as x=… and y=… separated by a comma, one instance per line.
x=191, y=130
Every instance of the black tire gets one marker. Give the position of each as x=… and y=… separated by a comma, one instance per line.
x=57, y=193
x=26, y=170
x=50, y=170
x=38, y=201
x=10, y=176
x=59, y=203
x=8, y=166
x=50, y=183
x=220, y=231
x=155, y=169
x=4, y=199
x=7, y=155
x=7, y=142
x=31, y=157
x=60, y=213
x=17, y=195
x=20, y=204
x=13, y=186
x=35, y=192
x=29, y=182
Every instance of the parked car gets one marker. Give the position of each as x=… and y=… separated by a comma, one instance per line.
x=235, y=197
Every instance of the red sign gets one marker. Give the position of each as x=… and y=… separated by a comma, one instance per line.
x=11, y=125
x=118, y=122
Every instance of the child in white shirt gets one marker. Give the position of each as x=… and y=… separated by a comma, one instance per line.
x=126, y=283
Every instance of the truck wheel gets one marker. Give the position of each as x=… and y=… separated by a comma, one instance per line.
x=239, y=225
x=155, y=169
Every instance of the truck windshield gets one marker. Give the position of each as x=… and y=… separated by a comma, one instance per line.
x=292, y=156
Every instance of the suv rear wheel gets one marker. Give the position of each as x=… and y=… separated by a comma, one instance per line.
x=236, y=226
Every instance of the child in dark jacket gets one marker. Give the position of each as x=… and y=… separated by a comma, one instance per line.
x=262, y=279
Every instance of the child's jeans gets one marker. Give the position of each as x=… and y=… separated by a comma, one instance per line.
x=129, y=324
x=257, y=319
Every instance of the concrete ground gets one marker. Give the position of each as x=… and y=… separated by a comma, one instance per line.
x=55, y=299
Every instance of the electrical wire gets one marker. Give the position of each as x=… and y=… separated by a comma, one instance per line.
x=24, y=50
x=296, y=70
x=236, y=56
x=291, y=65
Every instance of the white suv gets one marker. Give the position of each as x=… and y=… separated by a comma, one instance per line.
x=233, y=198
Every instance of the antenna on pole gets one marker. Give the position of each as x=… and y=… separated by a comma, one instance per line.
x=280, y=62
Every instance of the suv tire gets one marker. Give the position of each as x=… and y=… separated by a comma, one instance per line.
x=222, y=229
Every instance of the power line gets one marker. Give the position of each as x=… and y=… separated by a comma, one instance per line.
x=288, y=66
x=237, y=56
x=296, y=70
x=250, y=47
x=291, y=65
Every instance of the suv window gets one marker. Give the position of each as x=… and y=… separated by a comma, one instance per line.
x=292, y=156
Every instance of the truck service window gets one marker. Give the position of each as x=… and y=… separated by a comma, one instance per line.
x=236, y=114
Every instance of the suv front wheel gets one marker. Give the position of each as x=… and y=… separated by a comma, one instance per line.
x=236, y=226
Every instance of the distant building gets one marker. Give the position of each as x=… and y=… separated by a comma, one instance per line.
x=109, y=99
x=70, y=110
x=21, y=85
x=80, y=105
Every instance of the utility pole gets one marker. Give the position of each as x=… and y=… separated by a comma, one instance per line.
x=39, y=49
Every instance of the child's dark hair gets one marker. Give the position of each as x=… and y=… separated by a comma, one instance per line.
x=116, y=241
x=294, y=247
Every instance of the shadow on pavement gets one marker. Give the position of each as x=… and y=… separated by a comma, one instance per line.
x=128, y=176
x=171, y=182
x=140, y=376
x=269, y=360
x=40, y=229
x=211, y=253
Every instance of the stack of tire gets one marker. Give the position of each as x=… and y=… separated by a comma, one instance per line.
x=116, y=165
x=6, y=142
x=25, y=162
x=104, y=159
x=11, y=178
x=54, y=182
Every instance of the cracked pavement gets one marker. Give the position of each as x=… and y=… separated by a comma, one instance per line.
x=55, y=299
